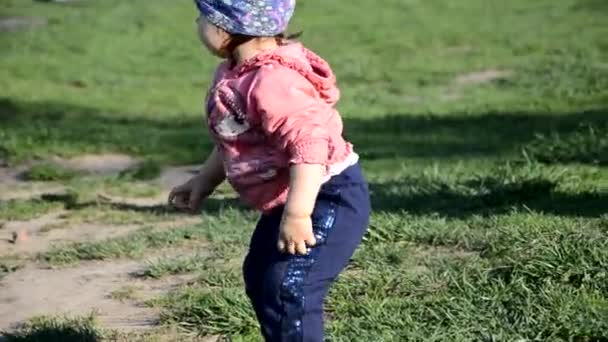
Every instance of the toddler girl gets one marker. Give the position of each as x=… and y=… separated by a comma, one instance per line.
x=278, y=142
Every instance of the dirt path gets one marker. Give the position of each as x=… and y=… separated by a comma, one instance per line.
x=102, y=164
x=109, y=288
x=454, y=91
x=88, y=287
x=12, y=24
x=38, y=241
x=40, y=238
x=482, y=77
x=53, y=228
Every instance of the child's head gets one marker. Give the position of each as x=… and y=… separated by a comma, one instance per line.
x=225, y=24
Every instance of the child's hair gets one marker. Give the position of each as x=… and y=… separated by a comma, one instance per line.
x=240, y=39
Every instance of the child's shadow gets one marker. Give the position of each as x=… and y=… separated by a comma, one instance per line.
x=210, y=206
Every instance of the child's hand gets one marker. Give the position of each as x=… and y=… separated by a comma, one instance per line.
x=296, y=234
x=189, y=196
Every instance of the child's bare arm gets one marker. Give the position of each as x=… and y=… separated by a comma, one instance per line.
x=296, y=233
x=213, y=170
x=188, y=196
x=305, y=182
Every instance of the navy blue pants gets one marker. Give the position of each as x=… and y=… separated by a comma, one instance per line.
x=287, y=291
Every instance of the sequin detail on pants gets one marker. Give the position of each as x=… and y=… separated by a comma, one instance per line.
x=292, y=293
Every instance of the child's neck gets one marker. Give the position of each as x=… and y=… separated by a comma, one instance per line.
x=252, y=48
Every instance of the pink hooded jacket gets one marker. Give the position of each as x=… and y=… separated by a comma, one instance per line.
x=273, y=111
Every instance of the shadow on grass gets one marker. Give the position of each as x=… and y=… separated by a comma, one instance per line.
x=210, y=206
x=462, y=135
x=39, y=128
x=35, y=128
x=474, y=197
x=32, y=129
x=53, y=335
x=485, y=196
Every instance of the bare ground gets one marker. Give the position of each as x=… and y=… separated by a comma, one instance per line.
x=109, y=288
x=476, y=78
x=109, y=163
x=37, y=290
x=483, y=76
x=54, y=229
x=80, y=290
x=11, y=24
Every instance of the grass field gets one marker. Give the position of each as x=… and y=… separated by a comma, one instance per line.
x=483, y=129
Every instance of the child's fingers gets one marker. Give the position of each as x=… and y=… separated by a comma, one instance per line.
x=291, y=248
x=172, y=195
x=180, y=202
x=281, y=245
x=195, y=200
x=175, y=192
x=311, y=241
x=301, y=248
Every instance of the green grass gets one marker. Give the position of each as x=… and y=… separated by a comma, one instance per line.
x=55, y=329
x=25, y=209
x=148, y=170
x=161, y=267
x=131, y=246
x=149, y=238
x=216, y=305
x=49, y=172
x=493, y=190
x=223, y=311
x=512, y=276
x=118, y=214
x=119, y=188
x=137, y=84
x=587, y=145
x=490, y=197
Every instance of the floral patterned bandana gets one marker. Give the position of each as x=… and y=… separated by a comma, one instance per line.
x=258, y=18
